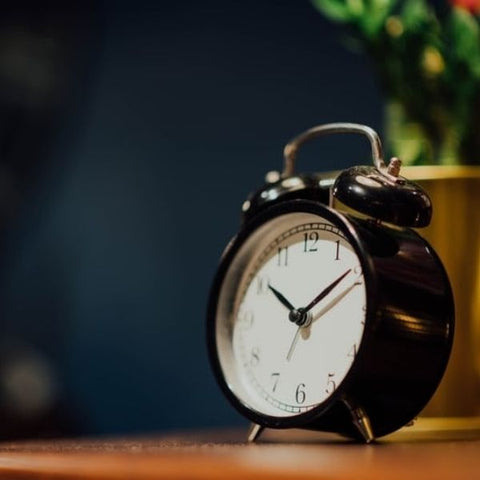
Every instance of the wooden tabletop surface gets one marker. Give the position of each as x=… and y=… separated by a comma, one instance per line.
x=425, y=451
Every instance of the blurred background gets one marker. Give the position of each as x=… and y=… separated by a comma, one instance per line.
x=130, y=134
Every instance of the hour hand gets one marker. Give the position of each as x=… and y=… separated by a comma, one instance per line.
x=281, y=298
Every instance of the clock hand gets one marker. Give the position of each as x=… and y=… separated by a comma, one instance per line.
x=335, y=300
x=294, y=343
x=325, y=292
x=281, y=298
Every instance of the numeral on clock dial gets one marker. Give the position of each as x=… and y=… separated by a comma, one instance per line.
x=275, y=378
x=331, y=384
x=262, y=285
x=309, y=241
x=246, y=319
x=282, y=256
x=300, y=394
x=255, y=356
x=337, y=250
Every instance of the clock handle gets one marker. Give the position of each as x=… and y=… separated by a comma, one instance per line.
x=291, y=148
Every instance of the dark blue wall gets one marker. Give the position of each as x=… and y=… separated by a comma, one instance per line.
x=185, y=107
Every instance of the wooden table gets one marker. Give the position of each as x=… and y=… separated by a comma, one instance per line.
x=423, y=452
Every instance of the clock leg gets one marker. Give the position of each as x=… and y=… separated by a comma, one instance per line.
x=361, y=421
x=254, y=432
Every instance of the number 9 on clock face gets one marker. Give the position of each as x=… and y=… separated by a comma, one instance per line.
x=287, y=315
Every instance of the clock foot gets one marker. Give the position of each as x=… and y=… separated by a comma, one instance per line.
x=361, y=421
x=254, y=432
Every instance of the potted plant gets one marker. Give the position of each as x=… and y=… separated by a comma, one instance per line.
x=427, y=59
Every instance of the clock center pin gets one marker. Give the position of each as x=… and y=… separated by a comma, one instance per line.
x=300, y=317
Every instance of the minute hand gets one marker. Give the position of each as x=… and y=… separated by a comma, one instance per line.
x=325, y=291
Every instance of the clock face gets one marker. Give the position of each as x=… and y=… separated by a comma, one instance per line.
x=291, y=315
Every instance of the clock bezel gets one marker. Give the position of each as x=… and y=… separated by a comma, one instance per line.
x=342, y=391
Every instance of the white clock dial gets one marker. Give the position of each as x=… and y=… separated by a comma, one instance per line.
x=296, y=315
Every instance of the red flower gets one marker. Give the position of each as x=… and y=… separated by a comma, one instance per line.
x=473, y=6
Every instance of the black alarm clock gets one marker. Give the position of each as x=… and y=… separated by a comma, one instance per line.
x=327, y=320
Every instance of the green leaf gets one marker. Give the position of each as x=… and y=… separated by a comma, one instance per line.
x=356, y=8
x=336, y=10
x=384, y=5
x=368, y=16
x=465, y=41
x=377, y=12
x=407, y=138
x=417, y=15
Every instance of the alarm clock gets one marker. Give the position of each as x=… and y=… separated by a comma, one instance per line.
x=331, y=319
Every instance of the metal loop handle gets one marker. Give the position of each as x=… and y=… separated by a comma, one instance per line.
x=291, y=148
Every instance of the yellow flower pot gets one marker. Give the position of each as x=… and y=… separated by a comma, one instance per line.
x=455, y=235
